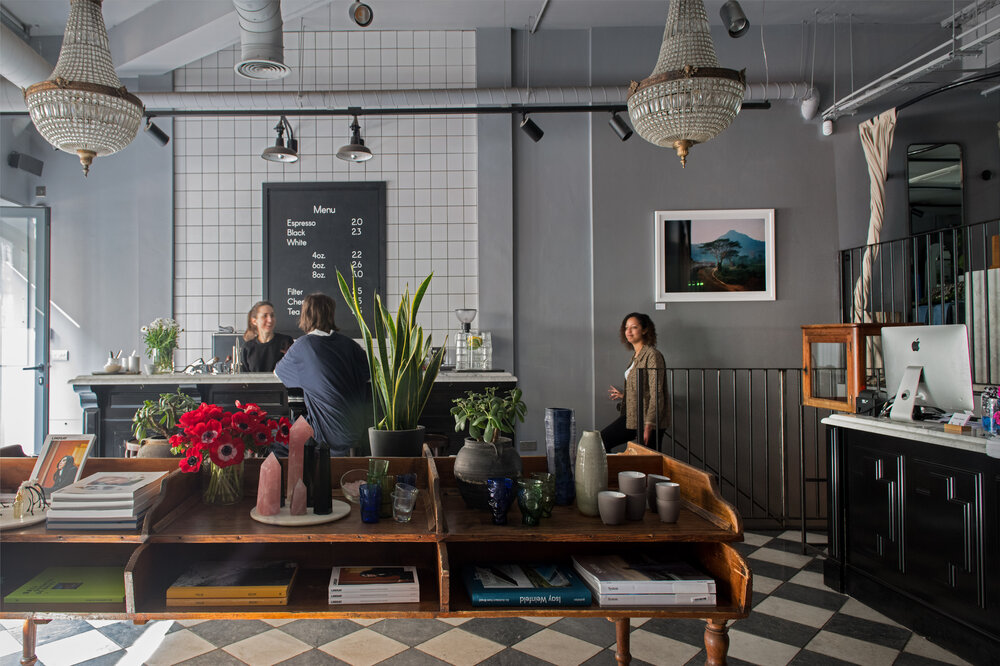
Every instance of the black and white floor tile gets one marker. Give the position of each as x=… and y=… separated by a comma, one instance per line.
x=795, y=620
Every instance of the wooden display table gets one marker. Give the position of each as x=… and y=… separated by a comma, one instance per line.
x=443, y=537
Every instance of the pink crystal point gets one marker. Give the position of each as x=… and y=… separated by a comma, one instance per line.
x=269, y=487
x=298, y=435
x=298, y=503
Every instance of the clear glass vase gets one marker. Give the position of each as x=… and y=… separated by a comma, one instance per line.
x=163, y=361
x=222, y=485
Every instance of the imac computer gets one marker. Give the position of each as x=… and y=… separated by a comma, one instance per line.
x=927, y=366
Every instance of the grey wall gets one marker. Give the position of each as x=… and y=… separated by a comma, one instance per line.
x=111, y=258
x=18, y=186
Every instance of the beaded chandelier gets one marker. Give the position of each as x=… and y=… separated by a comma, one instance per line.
x=688, y=98
x=83, y=107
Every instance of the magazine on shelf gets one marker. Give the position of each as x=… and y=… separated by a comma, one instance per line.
x=110, y=486
x=346, y=599
x=57, y=585
x=235, y=580
x=96, y=525
x=677, y=599
x=640, y=574
x=524, y=585
x=63, y=512
x=228, y=601
x=372, y=579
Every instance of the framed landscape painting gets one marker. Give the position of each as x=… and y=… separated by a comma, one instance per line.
x=715, y=255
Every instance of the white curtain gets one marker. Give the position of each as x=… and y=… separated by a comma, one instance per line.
x=876, y=139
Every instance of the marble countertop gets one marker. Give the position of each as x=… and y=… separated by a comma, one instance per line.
x=932, y=433
x=253, y=378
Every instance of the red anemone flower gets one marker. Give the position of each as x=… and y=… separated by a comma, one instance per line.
x=242, y=423
x=205, y=433
x=192, y=460
x=228, y=452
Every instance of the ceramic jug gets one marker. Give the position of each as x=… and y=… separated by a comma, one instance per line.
x=477, y=461
x=591, y=472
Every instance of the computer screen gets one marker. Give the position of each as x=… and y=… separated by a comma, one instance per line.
x=927, y=366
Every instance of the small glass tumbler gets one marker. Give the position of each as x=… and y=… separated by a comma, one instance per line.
x=404, y=498
x=501, y=490
x=377, y=468
x=410, y=478
x=371, y=502
x=548, y=491
x=529, y=500
x=388, y=483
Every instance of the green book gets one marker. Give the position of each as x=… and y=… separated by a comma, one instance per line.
x=79, y=585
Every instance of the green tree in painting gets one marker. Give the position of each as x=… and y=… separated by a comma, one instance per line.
x=722, y=249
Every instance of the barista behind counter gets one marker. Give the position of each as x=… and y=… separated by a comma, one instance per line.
x=263, y=347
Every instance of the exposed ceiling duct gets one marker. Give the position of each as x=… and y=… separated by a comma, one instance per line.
x=19, y=63
x=261, y=40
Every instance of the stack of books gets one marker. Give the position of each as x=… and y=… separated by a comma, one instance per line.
x=641, y=580
x=524, y=585
x=72, y=585
x=233, y=584
x=374, y=585
x=104, y=501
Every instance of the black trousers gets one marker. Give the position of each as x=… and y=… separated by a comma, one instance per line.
x=615, y=434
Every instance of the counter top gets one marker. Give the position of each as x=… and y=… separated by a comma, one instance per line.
x=177, y=378
x=932, y=433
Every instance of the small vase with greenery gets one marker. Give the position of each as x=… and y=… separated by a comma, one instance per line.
x=160, y=418
x=161, y=338
x=485, y=453
x=402, y=373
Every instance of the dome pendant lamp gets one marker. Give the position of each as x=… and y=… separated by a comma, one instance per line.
x=356, y=150
x=688, y=99
x=83, y=107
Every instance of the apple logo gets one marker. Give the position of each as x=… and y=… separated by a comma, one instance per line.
x=915, y=345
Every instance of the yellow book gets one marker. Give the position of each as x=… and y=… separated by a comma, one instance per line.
x=234, y=580
x=230, y=601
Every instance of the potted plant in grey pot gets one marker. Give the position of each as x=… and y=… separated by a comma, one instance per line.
x=156, y=421
x=401, y=374
x=486, y=453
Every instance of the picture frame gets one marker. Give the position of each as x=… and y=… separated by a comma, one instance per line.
x=74, y=449
x=715, y=255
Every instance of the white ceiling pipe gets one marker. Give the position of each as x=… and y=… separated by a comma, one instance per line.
x=807, y=95
x=21, y=64
x=261, y=39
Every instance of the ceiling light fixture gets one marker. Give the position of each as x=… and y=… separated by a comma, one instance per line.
x=154, y=131
x=355, y=151
x=279, y=152
x=529, y=127
x=734, y=19
x=688, y=99
x=620, y=127
x=83, y=107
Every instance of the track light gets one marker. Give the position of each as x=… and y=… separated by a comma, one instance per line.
x=734, y=19
x=529, y=127
x=361, y=14
x=158, y=135
x=279, y=152
x=355, y=151
x=620, y=127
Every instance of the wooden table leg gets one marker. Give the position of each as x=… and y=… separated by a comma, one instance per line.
x=622, y=654
x=716, y=642
x=28, y=636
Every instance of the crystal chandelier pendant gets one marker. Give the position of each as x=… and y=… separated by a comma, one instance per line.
x=688, y=98
x=83, y=107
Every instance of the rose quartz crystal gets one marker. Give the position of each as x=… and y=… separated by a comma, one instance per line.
x=269, y=488
x=298, y=503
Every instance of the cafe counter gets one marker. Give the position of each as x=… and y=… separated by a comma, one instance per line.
x=109, y=401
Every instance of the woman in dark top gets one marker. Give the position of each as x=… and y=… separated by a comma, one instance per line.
x=65, y=473
x=332, y=371
x=263, y=348
x=638, y=334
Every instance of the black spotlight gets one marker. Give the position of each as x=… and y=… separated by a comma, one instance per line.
x=529, y=127
x=279, y=152
x=361, y=14
x=620, y=127
x=158, y=135
x=734, y=19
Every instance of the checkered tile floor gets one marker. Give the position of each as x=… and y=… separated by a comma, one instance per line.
x=795, y=620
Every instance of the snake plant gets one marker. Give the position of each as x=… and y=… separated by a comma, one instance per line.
x=401, y=382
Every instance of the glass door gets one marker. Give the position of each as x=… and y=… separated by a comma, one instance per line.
x=24, y=325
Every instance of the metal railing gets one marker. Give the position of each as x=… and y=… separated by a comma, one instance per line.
x=748, y=427
x=942, y=277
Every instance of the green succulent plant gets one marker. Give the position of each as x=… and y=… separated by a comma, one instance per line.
x=486, y=414
x=158, y=418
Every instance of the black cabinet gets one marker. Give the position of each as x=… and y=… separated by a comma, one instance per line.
x=915, y=533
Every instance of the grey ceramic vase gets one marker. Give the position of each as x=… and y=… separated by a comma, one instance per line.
x=153, y=447
x=591, y=472
x=477, y=461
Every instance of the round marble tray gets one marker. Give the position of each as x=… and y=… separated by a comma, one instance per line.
x=283, y=517
x=8, y=522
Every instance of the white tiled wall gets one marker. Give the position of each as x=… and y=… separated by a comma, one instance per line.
x=428, y=162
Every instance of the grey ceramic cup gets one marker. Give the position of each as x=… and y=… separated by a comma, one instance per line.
x=651, y=481
x=611, y=505
x=669, y=510
x=635, y=505
x=668, y=490
x=631, y=482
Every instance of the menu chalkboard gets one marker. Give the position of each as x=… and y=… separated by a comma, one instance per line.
x=312, y=230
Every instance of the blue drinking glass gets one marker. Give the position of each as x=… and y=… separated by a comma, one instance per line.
x=501, y=496
x=371, y=502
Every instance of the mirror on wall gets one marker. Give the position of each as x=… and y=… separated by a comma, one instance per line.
x=934, y=186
